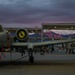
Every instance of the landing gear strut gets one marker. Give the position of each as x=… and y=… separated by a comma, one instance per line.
x=52, y=49
x=31, y=58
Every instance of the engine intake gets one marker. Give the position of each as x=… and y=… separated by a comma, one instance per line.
x=22, y=35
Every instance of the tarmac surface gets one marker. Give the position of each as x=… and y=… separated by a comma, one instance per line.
x=48, y=64
x=46, y=58
x=38, y=69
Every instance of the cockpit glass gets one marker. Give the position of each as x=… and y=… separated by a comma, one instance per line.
x=1, y=28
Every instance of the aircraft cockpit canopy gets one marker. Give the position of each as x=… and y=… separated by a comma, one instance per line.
x=1, y=28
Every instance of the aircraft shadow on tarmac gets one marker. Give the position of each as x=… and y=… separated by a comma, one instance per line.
x=21, y=63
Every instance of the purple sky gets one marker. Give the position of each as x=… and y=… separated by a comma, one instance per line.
x=31, y=13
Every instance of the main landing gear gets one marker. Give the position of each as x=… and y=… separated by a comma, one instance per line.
x=31, y=58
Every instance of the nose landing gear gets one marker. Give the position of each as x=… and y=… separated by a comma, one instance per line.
x=31, y=57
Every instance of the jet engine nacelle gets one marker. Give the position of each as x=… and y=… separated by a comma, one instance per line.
x=22, y=35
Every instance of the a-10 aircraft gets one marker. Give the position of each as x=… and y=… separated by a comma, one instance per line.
x=22, y=36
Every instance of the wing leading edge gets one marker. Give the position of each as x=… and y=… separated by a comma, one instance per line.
x=31, y=45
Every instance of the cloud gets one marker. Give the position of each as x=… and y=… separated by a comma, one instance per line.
x=37, y=11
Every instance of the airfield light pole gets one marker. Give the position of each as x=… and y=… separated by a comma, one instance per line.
x=36, y=32
x=42, y=34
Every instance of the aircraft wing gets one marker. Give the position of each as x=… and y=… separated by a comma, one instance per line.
x=31, y=45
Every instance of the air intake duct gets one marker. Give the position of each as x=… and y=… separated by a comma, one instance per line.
x=22, y=35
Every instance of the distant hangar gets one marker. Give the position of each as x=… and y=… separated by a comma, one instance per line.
x=48, y=26
x=56, y=26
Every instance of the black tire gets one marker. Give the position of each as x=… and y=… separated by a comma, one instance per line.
x=31, y=59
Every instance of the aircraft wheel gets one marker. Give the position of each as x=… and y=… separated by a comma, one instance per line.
x=31, y=59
